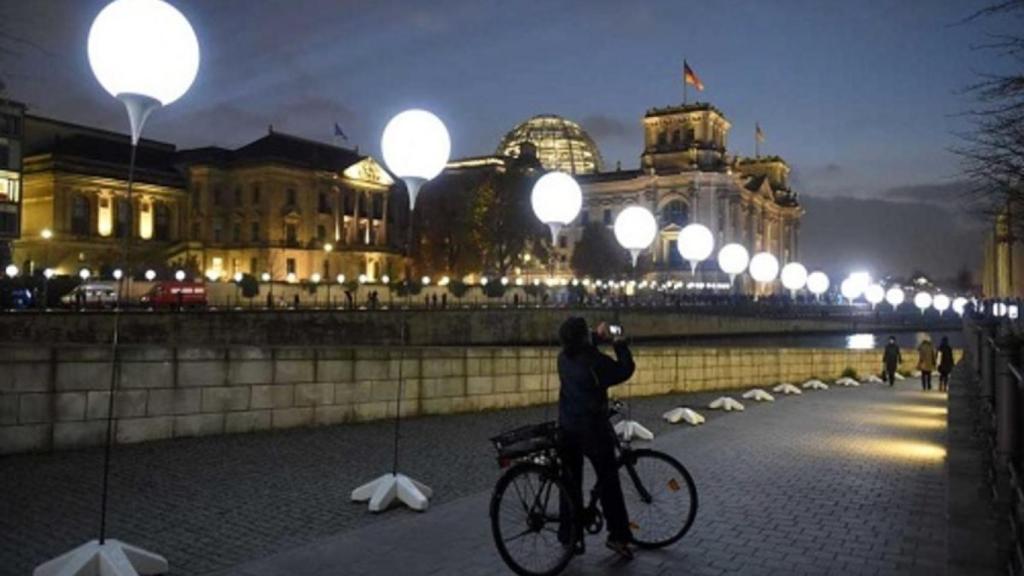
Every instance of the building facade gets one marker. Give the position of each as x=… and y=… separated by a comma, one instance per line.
x=12, y=116
x=281, y=205
x=687, y=176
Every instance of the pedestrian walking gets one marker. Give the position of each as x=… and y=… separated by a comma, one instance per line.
x=926, y=363
x=945, y=364
x=891, y=360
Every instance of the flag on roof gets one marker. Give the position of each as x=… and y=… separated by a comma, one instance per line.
x=690, y=77
x=758, y=133
x=338, y=132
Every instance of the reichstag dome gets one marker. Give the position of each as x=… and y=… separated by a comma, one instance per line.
x=561, y=144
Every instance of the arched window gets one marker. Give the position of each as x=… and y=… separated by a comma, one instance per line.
x=675, y=212
x=162, y=222
x=80, y=215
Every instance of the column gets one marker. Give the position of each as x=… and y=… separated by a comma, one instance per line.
x=382, y=234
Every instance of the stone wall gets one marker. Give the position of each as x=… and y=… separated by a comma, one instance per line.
x=56, y=397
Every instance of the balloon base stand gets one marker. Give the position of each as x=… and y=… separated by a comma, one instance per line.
x=112, y=558
x=631, y=429
x=383, y=491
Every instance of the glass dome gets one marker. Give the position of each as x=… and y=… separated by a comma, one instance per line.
x=561, y=144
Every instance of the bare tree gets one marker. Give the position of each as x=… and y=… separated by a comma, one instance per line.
x=992, y=152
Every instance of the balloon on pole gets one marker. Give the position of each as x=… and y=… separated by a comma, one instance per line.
x=635, y=229
x=733, y=260
x=941, y=303
x=794, y=277
x=764, y=267
x=695, y=244
x=894, y=297
x=874, y=294
x=416, y=147
x=556, y=200
x=817, y=283
x=923, y=301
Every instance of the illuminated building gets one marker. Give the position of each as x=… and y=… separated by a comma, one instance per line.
x=560, y=144
x=11, y=123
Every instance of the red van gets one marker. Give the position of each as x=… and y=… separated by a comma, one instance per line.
x=175, y=294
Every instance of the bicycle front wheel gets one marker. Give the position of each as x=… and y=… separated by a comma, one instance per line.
x=532, y=520
x=661, y=497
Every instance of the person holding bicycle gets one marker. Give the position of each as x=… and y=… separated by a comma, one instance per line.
x=586, y=374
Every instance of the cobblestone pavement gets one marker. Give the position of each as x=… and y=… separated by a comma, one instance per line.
x=845, y=481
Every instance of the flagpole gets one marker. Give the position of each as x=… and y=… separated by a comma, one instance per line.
x=684, y=82
x=757, y=142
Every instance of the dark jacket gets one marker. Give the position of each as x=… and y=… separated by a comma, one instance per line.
x=945, y=359
x=586, y=377
x=892, y=358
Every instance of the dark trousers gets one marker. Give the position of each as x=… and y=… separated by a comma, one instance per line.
x=600, y=450
x=943, y=381
x=926, y=380
x=890, y=375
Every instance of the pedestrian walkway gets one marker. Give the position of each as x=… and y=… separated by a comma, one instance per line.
x=844, y=481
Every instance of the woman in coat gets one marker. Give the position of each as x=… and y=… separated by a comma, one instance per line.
x=926, y=363
x=586, y=374
x=945, y=364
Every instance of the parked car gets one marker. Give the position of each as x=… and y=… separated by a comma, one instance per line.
x=176, y=294
x=92, y=295
x=16, y=299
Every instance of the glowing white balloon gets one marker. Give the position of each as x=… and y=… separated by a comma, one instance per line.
x=556, y=200
x=150, y=275
x=894, y=296
x=416, y=147
x=11, y=271
x=733, y=260
x=923, y=301
x=179, y=275
x=817, y=283
x=635, y=229
x=959, y=305
x=851, y=289
x=143, y=48
x=764, y=267
x=695, y=244
x=794, y=276
x=999, y=309
x=941, y=302
x=874, y=294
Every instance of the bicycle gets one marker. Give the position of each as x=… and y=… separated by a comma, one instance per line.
x=534, y=521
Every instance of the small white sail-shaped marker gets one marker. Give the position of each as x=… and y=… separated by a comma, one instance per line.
x=633, y=430
x=873, y=379
x=899, y=376
x=725, y=403
x=758, y=395
x=814, y=385
x=786, y=388
x=916, y=374
x=683, y=414
x=847, y=382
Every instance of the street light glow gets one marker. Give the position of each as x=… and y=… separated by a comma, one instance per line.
x=118, y=274
x=48, y=273
x=179, y=275
x=84, y=274
x=340, y=278
x=150, y=275
x=265, y=276
x=11, y=271
x=46, y=234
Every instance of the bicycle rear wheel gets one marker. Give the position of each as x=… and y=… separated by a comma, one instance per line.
x=532, y=520
x=661, y=497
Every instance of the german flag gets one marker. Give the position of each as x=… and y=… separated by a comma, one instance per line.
x=690, y=77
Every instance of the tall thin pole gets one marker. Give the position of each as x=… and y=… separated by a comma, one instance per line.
x=402, y=343
x=114, y=365
x=684, y=82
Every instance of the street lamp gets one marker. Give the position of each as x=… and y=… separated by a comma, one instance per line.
x=923, y=301
x=150, y=275
x=794, y=277
x=48, y=273
x=118, y=274
x=11, y=271
x=556, y=200
x=84, y=274
x=635, y=229
x=179, y=275
x=733, y=260
x=695, y=244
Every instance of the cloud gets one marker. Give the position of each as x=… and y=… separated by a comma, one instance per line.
x=602, y=127
x=888, y=236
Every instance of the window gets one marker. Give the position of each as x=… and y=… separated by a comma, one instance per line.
x=80, y=215
x=236, y=232
x=690, y=137
x=662, y=138
x=321, y=233
x=675, y=136
x=291, y=196
x=350, y=205
x=254, y=231
x=607, y=217
x=323, y=203
x=218, y=231
x=378, y=206
x=124, y=218
x=290, y=266
x=675, y=212
x=291, y=235
x=255, y=193
x=162, y=218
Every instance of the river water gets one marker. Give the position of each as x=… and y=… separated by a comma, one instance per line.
x=851, y=341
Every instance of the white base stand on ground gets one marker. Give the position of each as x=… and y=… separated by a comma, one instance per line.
x=814, y=385
x=786, y=388
x=899, y=376
x=727, y=404
x=847, y=382
x=681, y=414
x=631, y=429
x=873, y=379
x=381, y=493
x=916, y=373
x=758, y=395
x=112, y=558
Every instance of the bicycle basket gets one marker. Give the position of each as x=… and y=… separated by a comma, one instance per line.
x=526, y=440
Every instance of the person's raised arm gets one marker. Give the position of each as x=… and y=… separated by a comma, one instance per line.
x=611, y=372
